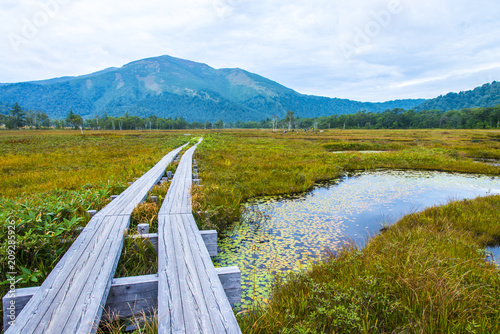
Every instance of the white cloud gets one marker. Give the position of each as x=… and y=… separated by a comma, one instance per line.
x=422, y=49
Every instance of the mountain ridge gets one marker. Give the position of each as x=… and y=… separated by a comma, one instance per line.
x=166, y=86
x=487, y=95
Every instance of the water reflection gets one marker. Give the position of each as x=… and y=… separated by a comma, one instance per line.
x=278, y=234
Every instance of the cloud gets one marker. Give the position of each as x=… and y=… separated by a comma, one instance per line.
x=395, y=48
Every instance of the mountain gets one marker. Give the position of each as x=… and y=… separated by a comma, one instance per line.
x=487, y=95
x=171, y=87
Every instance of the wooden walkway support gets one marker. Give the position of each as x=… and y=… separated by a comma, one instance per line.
x=130, y=296
x=191, y=298
x=191, y=295
x=72, y=297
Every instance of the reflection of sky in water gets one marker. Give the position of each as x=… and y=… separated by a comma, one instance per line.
x=283, y=233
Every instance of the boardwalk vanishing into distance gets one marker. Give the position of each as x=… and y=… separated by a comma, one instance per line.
x=192, y=299
x=187, y=290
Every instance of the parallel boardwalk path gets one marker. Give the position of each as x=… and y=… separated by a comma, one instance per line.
x=191, y=298
x=72, y=298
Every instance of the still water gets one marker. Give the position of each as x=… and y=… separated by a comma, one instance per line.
x=278, y=234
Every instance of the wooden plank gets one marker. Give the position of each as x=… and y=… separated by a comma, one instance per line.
x=20, y=299
x=196, y=313
x=127, y=297
x=202, y=295
x=186, y=274
x=209, y=238
x=230, y=278
x=178, y=198
x=131, y=296
x=88, y=303
x=169, y=298
x=221, y=313
x=72, y=297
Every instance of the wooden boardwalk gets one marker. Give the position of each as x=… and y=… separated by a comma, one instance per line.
x=191, y=298
x=72, y=297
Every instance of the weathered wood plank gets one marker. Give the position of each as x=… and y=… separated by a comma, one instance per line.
x=230, y=278
x=178, y=199
x=221, y=313
x=128, y=296
x=20, y=298
x=185, y=268
x=169, y=298
x=72, y=297
x=194, y=311
x=209, y=238
x=205, y=294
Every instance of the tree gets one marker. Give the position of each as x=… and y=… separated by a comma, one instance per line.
x=17, y=116
x=289, y=118
x=3, y=120
x=97, y=121
x=75, y=120
x=219, y=124
x=275, y=122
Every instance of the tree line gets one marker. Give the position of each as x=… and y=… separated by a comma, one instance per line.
x=19, y=118
x=467, y=118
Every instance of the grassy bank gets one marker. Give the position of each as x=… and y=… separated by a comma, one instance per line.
x=425, y=274
x=238, y=165
x=351, y=293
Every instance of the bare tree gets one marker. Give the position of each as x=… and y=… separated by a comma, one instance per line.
x=290, y=118
x=275, y=122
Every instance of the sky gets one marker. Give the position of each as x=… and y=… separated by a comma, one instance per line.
x=365, y=50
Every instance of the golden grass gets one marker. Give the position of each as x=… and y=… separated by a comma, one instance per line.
x=41, y=161
x=236, y=165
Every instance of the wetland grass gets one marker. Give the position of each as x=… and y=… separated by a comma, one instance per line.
x=425, y=274
x=41, y=161
x=238, y=165
x=81, y=172
x=49, y=180
x=437, y=283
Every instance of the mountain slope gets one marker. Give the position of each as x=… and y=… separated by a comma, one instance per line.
x=171, y=87
x=487, y=95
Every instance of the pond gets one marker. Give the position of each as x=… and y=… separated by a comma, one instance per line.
x=278, y=234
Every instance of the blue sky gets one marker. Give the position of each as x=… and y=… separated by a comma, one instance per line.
x=359, y=49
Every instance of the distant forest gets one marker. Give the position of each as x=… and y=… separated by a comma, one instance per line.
x=483, y=96
x=467, y=118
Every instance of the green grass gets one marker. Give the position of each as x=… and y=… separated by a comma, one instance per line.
x=50, y=179
x=425, y=274
x=237, y=165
